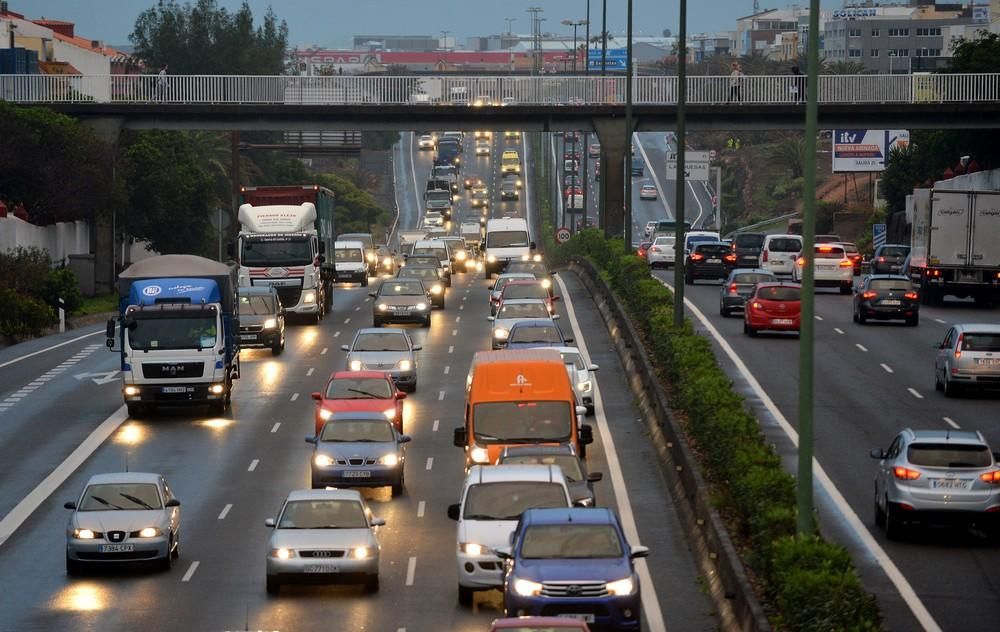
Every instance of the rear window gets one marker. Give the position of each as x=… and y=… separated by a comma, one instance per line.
x=748, y=241
x=713, y=249
x=785, y=244
x=663, y=241
x=778, y=293
x=849, y=248
x=827, y=252
x=980, y=342
x=895, y=251
x=949, y=455
x=753, y=278
x=901, y=285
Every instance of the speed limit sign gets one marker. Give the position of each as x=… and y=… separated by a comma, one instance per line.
x=562, y=235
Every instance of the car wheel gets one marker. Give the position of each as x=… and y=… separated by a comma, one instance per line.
x=376, y=322
x=217, y=408
x=465, y=595
x=893, y=524
x=397, y=487
x=315, y=483
x=364, y=281
x=74, y=567
x=427, y=322
x=273, y=586
x=371, y=584
x=950, y=388
x=862, y=319
x=277, y=348
x=937, y=382
x=722, y=310
x=688, y=279
x=167, y=561
x=879, y=513
x=176, y=552
x=913, y=321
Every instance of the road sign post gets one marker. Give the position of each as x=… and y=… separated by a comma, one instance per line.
x=878, y=235
x=695, y=165
x=562, y=235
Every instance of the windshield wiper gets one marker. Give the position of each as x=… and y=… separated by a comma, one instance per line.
x=364, y=392
x=138, y=501
x=480, y=517
x=486, y=437
x=106, y=503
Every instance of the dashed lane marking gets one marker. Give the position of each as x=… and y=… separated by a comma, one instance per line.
x=839, y=330
x=411, y=570
x=190, y=571
x=861, y=346
x=323, y=352
x=225, y=511
x=295, y=396
x=430, y=462
x=951, y=422
x=275, y=427
x=434, y=428
x=447, y=369
x=888, y=369
x=420, y=508
x=914, y=392
x=451, y=349
x=310, y=371
x=440, y=396
x=253, y=465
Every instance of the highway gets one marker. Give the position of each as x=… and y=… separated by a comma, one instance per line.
x=870, y=382
x=61, y=421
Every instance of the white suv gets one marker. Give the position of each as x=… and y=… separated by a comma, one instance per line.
x=493, y=498
x=831, y=267
x=661, y=252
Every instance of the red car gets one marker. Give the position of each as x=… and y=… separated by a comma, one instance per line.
x=526, y=624
x=528, y=289
x=773, y=307
x=643, y=247
x=360, y=391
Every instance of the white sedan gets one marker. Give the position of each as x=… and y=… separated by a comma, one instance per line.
x=661, y=252
x=426, y=141
x=647, y=192
x=831, y=268
x=433, y=218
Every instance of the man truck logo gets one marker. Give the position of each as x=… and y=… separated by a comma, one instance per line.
x=152, y=290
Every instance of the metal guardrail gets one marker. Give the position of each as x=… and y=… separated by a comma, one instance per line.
x=490, y=91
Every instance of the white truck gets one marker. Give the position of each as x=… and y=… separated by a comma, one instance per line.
x=955, y=245
x=279, y=245
x=506, y=240
x=409, y=237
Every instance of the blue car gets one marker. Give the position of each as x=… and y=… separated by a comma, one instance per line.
x=358, y=449
x=536, y=332
x=573, y=563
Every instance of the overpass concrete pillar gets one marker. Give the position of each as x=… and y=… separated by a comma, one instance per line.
x=614, y=147
x=104, y=243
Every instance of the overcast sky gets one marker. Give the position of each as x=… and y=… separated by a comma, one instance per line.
x=331, y=23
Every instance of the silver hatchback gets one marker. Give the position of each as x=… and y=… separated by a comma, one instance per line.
x=936, y=476
x=968, y=357
x=383, y=349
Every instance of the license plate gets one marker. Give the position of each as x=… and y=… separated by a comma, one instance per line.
x=175, y=389
x=988, y=361
x=357, y=474
x=400, y=312
x=782, y=321
x=248, y=336
x=589, y=618
x=715, y=260
x=117, y=548
x=321, y=568
x=890, y=301
x=951, y=483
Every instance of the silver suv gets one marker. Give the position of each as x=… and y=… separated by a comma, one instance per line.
x=968, y=357
x=936, y=476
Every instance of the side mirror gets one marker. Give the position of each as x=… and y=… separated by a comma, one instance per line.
x=418, y=347
x=372, y=294
x=377, y=522
x=586, y=432
x=400, y=395
x=269, y=522
x=454, y=511
x=69, y=505
x=567, y=340
x=877, y=453
x=173, y=502
x=405, y=438
x=317, y=396
x=345, y=348
x=594, y=477
x=109, y=329
x=554, y=273
x=639, y=551
x=311, y=440
x=504, y=553
x=581, y=411
x=594, y=367
x=460, y=437
x=555, y=317
x=532, y=245
x=491, y=318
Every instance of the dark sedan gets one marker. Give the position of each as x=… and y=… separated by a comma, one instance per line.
x=579, y=481
x=738, y=287
x=886, y=297
x=888, y=259
x=709, y=260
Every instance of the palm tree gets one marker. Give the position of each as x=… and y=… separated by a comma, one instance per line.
x=791, y=152
x=847, y=68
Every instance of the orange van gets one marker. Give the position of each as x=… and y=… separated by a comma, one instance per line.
x=519, y=397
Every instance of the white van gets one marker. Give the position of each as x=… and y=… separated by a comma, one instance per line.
x=506, y=240
x=693, y=237
x=349, y=263
x=779, y=252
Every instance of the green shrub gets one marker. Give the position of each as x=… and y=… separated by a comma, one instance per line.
x=62, y=283
x=22, y=315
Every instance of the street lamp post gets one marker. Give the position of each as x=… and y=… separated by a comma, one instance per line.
x=445, y=38
x=575, y=24
x=586, y=134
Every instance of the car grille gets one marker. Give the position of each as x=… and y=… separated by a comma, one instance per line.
x=402, y=308
x=123, y=555
x=289, y=296
x=251, y=329
x=489, y=566
x=574, y=589
x=381, y=365
x=357, y=461
x=321, y=554
x=554, y=610
x=175, y=370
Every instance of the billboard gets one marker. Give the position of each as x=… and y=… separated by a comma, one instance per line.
x=865, y=149
x=616, y=59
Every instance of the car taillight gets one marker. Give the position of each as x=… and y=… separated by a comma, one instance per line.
x=764, y=257
x=733, y=289
x=696, y=256
x=905, y=473
x=958, y=346
x=881, y=259
x=911, y=295
x=846, y=263
x=993, y=478
x=654, y=249
x=730, y=257
x=869, y=294
x=801, y=261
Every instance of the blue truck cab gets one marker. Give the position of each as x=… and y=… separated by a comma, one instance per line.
x=573, y=563
x=177, y=333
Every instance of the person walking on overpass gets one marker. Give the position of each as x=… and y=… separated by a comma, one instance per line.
x=798, y=87
x=161, y=83
x=735, y=83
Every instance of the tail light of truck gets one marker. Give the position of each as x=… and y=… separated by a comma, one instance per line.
x=764, y=256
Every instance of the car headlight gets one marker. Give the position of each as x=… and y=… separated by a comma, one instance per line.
x=383, y=307
x=527, y=588
x=282, y=554
x=387, y=262
x=546, y=283
x=325, y=414
x=323, y=460
x=389, y=459
x=217, y=389
x=471, y=548
x=361, y=552
x=131, y=391
x=83, y=534
x=309, y=296
x=404, y=365
x=270, y=323
x=537, y=258
x=356, y=365
x=436, y=289
x=621, y=587
x=371, y=256
x=585, y=386
x=525, y=257
x=501, y=333
x=421, y=307
x=491, y=259
x=390, y=413
x=479, y=455
x=150, y=532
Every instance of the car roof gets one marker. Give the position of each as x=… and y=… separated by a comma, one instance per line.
x=576, y=515
x=127, y=477
x=983, y=328
x=382, y=330
x=356, y=416
x=324, y=494
x=348, y=244
x=781, y=235
x=965, y=437
x=562, y=448
x=518, y=472
x=344, y=375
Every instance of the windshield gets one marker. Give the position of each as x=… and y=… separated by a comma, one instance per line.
x=180, y=331
x=256, y=305
x=571, y=541
x=439, y=196
x=753, y=278
x=346, y=255
x=364, y=238
x=779, y=293
x=401, y=289
x=508, y=500
x=897, y=285
x=523, y=310
x=894, y=251
x=538, y=335
x=276, y=251
x=420, y=273
x=533, y=290
x=570, y=464
x=713, y=250
x=748, y=241
x=323, y=514
x=664, y=241
x=949, y=455
x=387, y=341
x=785, y=244
x=972, y=341
x=440, y=253
x=361, y=430
x=507, y=239
x=522, y=421
x=694, y=239
x=359, y=388
x=121, y=496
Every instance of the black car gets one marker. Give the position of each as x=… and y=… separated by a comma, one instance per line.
x=508, y=190
x=747, y=247
x=888, y=259
x=708, y=260
x=579, y=481
x=262, y=318
x=886, y=297
x=738, y=287
x=430, y=275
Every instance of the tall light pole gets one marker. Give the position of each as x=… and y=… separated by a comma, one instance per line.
x=535, y=34
x=445, y=46
x=680, y=178
x=586, y=135
x=509, y=21
x=575, y=24
x=628, y=126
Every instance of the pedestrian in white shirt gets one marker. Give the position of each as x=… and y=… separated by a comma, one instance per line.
x=735, y=83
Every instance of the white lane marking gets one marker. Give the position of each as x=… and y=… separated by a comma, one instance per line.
x=839, y=330
x=701, y=209
x=461, y=307
x=420, y=509
x=190, y=571
x=914, y=392
x=411, y=570
x=40, y=351
x=861, y=346
x=651, y=603
x=451, y=349
x=943, y=322
x=358, y=308
x=951, y=422
x=440, y=396
x=225, y=511
x=310, y=371
x=454, y=332
x=882, y=559
x=336, y=333
x=13, y=520
x=430, y=462
x=818, y=317
x=467, y=291
x=458, y=319
x=347, y=320
x=434, y=428
x=888, y=369
x=465, y=298
x=652, y=172
x=447, y=369
x=275, y=427
x=295, y=396
x=253, y=465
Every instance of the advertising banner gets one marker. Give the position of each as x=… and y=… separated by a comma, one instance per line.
x=865, y=149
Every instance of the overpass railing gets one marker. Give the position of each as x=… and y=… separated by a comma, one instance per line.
x=492, y=91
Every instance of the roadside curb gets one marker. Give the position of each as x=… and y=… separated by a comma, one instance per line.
x=717, y=558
